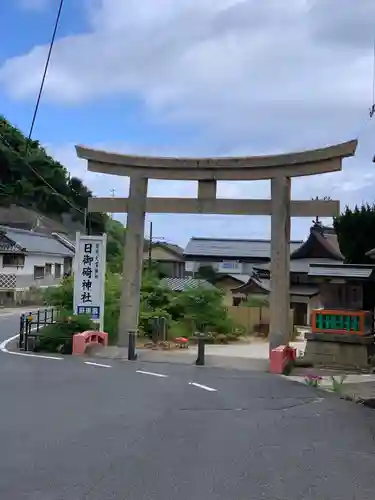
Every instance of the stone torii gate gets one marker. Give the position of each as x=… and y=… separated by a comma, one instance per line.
x=207, y=171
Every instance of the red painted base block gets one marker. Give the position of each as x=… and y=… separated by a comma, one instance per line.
x=281, y=357
x=91, y=337
x=182, y=342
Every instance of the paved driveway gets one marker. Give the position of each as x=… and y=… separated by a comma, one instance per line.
x=73, y=431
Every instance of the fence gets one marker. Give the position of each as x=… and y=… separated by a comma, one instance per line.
x=254, y=320
x=32, y=322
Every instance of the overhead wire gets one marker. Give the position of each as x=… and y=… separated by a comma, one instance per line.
x=41, y=87
x=35, y=113
x=372, y=109
x=40, y=177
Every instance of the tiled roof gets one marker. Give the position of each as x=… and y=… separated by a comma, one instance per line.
x=327, y=239
x=26, y=218
x=242, y=278
x=342, y=271
x=171, y=247
x=301, y=265
x=182, y=284
x=221, y=248
x=265, y=284
x=37, y=242
x=8, y=245
x=64, y=239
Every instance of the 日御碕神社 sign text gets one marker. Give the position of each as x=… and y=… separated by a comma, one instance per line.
x=89, y=276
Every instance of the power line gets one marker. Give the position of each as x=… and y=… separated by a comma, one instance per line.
x=36, y=109
x=25, y=162
x=372, y=109
x=63, y=197
x=41, y=88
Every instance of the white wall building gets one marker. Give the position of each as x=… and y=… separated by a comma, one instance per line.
x=31, y=259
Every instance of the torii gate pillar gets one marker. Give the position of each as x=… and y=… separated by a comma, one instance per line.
x=280, y=262
x=133, y=259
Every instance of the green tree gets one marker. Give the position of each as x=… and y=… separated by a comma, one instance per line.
x=23, y=166
x=356, y=233
x=195, y=308
x=115, y=245
x=203, y=309
x=206, y=273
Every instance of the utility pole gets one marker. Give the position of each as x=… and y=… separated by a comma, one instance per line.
x=150, y=248
x=113, y=195
x=85, y=222
x=152, y=239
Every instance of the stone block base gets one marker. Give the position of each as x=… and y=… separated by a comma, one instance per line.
x=335, y=353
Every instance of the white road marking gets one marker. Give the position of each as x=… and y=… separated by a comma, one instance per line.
x=97, y=364
x=161, y=375
x=205, y=387
x=3, y=348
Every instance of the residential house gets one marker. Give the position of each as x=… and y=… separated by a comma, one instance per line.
x=31, y=259
x=228, y=283
x=183, y=284
x=318, y=278
x=229, y=256
x=169, y=257
x=233, y=260
x=29, y=219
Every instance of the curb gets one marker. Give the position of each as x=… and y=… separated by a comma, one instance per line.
x=212, y=361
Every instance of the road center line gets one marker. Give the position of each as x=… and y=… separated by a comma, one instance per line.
x=97, y=364
x=205, y=387
x=161, y=375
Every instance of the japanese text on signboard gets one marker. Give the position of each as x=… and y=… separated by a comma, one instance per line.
x=89, y=277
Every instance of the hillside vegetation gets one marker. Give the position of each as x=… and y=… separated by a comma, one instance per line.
x=23, y=166
x=21, y=161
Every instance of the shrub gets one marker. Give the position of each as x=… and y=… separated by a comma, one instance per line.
x=147, y=321
x=195, y=309
x=204, y=308
x=60, y=296
x=256, y=301
x=60, y=334
x=180, y=329
x=221, y=338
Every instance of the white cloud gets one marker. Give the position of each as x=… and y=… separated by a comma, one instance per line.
x=34, y=5
x=252, y=77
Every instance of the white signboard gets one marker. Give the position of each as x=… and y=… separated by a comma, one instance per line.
x=89, y=276
x=189, y=267
x=230, y=267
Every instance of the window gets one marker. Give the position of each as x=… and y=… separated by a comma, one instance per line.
x=57, y=270
x=237, y=301
x=13, y=260
x=48, y=269
x=38, y=272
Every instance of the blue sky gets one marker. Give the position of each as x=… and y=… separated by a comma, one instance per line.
x=126, y=116
x=196, y=77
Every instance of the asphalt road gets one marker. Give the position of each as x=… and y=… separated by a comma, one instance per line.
x=72, y=431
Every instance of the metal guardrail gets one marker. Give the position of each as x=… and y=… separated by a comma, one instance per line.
x=32, y=322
